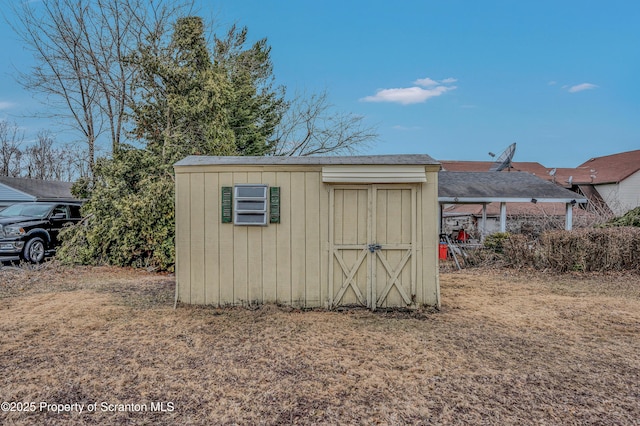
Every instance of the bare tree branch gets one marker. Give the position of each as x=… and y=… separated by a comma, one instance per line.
x=80, y=48
x=11, y=137
x=311, y=128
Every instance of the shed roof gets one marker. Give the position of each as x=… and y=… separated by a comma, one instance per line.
x=405, y=159
x=38, y=188
x=486, y=187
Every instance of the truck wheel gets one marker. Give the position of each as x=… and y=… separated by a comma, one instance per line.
x=34, y=250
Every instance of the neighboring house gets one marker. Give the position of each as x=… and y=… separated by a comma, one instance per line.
x=614, y=178
x=17, y=190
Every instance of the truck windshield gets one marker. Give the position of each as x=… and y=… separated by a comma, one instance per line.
x=31, y=210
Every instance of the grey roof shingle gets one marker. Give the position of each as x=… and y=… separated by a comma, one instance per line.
x=494, y=186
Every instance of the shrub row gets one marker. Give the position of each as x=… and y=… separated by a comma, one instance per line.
x=600, y=249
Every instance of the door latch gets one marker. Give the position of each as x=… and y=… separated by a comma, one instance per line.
x=374, y=247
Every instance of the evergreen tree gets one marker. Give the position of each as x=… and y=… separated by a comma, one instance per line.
x=183, y=106
x=257, y=104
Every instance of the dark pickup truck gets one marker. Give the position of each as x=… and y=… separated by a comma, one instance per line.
x=30, y=230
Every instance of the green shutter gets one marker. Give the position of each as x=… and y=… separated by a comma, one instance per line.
x=274, y=204
x=227, y=204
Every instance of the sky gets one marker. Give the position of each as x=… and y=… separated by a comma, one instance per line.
x=452, y=79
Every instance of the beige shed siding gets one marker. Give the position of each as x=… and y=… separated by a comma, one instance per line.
x=212, y=242
x=226, y=264
x=223, y=264
x=283, y=240
x=279, y=262
x=313, y=246
x=183, y=243
x=197, y=223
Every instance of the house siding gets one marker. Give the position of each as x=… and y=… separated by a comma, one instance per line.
x=10, y=196
x=623, y=196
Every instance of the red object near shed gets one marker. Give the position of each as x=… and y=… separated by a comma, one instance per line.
x=442, y=251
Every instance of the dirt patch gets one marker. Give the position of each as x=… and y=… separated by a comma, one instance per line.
x=506, y=348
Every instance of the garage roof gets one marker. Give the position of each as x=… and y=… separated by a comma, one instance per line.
x=488, y=187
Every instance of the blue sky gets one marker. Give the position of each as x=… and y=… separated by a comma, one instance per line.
x=452, y=79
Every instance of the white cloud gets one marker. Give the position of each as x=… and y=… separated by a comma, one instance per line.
x=425, y=82
x=552, y=83
x=581, y=87
x=412, y=95
x=408, y=95
x=5, y=105
x=449, y=80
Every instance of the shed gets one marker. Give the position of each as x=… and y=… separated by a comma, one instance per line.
x=307, y=231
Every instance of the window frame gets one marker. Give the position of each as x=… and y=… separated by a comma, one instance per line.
x=238, y=213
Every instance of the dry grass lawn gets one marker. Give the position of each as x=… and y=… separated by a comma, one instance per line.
x=506, y=348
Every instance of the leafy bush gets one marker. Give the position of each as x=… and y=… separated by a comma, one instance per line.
x=496, y=241
x=130, y=215
x=630, y=218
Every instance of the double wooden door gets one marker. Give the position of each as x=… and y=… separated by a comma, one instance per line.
x=372, y=243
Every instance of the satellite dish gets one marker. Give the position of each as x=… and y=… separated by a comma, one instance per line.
x=504, y=160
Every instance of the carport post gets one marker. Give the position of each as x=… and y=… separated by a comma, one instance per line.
x=568, y=220
x=503, y=217
x=483, y=226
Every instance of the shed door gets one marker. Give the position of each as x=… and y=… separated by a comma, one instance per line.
x=372, y=244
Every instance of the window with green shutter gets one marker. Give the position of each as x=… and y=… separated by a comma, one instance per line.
x=250, y=204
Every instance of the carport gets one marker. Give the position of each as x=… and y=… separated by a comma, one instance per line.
x=502, y=187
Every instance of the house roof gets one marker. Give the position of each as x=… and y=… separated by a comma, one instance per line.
x=409, y=159
x=486, y=187
x=612, y=168
x=569, y=176
x=40, y=189
x=562, y=176
x=484, y=166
